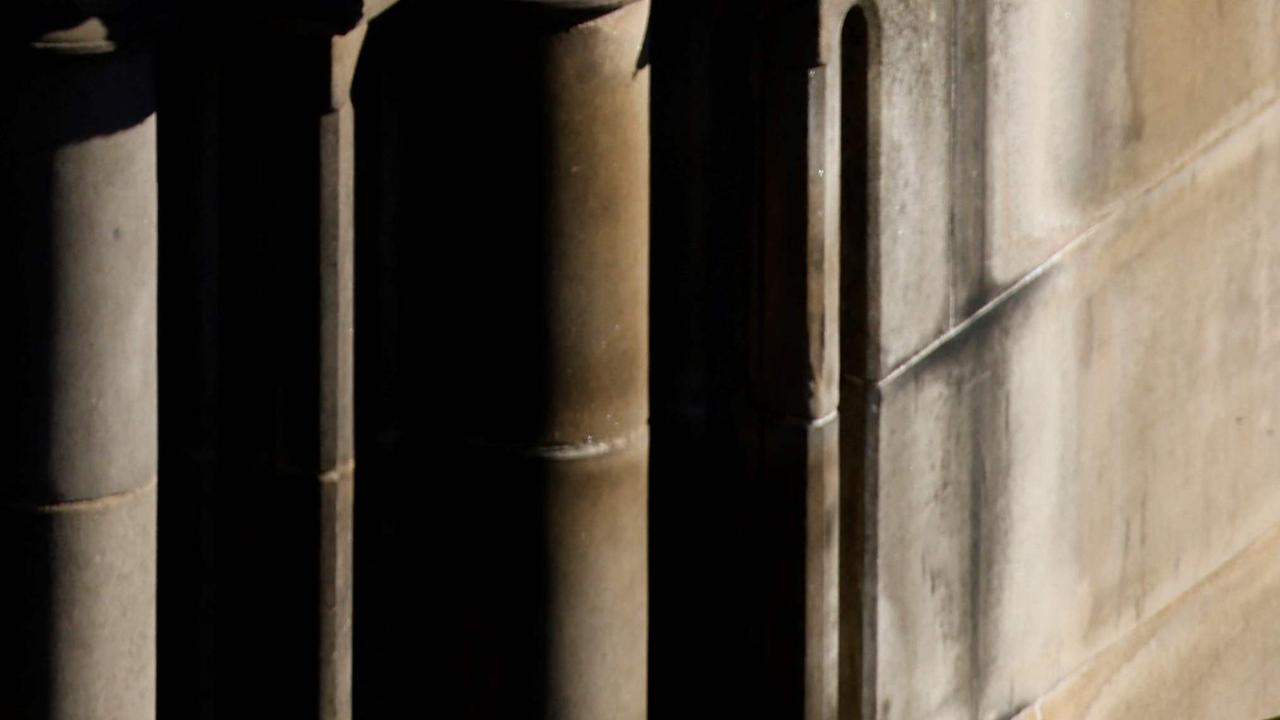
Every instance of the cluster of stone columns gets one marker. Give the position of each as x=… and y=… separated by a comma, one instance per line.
x=542, y=550
x=261, y=205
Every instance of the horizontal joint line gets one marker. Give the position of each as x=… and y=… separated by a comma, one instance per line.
x=800, y=421
x=577, y=451
x=344, y=471
x=95, y=503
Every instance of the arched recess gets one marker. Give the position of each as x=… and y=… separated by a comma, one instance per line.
x=858, y=57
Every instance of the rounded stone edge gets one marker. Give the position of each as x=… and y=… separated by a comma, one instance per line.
x=90, y=32
x=91, y=37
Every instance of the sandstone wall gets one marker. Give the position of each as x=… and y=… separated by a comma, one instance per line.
x=1076, y=483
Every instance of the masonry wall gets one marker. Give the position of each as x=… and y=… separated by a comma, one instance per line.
x=1075, y=486
x=820, y=359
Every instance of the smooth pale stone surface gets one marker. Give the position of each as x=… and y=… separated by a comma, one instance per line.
x=1074, y=460
x=1091, y=102
x=78, y=175
x=1214, y=653
x=79, y=609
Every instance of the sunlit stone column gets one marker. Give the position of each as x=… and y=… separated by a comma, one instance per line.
x=547, y=387
x=78, y=506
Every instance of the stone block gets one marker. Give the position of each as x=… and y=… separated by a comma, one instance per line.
x=1092, y=103
x=1214, y=653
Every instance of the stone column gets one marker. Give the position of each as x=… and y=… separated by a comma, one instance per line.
x=335, y=451
x=797, y=363
x=547, y=386
x=78, y=507
x=286, y=458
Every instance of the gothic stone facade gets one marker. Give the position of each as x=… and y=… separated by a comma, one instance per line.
x=821, y=359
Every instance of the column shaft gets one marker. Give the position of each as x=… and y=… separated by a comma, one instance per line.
x=77, y=519
x=797, y=363
x=547, y=382
x=286, y=436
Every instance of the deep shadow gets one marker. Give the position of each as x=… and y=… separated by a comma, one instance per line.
x=189, y=143
x=857, y=350
x=385, y=633
x=452, y=312
x=727, y=542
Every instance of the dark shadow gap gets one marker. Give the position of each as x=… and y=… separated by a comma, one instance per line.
x=857, y=345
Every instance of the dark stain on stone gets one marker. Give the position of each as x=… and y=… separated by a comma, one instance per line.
x=976, y=366
x=1136, y=126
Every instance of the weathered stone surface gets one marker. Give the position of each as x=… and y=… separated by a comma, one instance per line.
x=1213, y=653
x=909, y=270
x=1072, y=461
x=911, y=141
x=1092, y=102
x=79, y=609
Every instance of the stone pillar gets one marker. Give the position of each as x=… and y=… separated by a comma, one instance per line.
x=285, y=533
x=336, y=448
x=797, y=355
x=547, y=344
x=78, y=509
